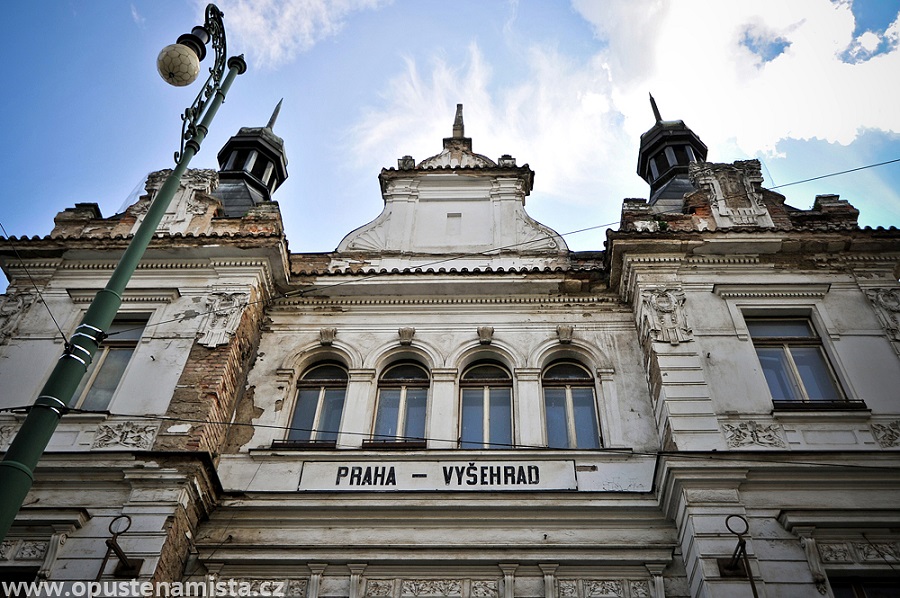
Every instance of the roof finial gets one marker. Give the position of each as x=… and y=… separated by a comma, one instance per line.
x=655, y=109
x=458, y=127
x=274, y=116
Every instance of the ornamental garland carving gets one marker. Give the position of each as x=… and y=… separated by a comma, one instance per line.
x=887, y=307
x=292, y=588
x=663, y=318
x=379, y=587
x=12, y=308
x=296, y=588
x=877, y=551
x=860, y=552
x=639, y=589
x=224, y=312
x=129, y=434
x=431, y=587
x=752, y=433
x=485, y=589
x=32, y=551
x=568, y=588
x=834, y=553
x=6, y=548
x=596, y=588
x=887, y=435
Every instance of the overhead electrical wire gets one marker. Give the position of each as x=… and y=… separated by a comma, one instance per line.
x=706, y=455
x=301, y=292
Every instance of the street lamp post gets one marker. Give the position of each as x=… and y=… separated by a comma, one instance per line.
x=179, y=64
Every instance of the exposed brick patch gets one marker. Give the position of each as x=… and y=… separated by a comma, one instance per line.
x=210, y=387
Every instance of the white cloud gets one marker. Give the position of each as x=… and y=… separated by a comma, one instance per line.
x=558, y=120
x=698, y=69
x=136, y=16
x=273, y=32
x=743, y=76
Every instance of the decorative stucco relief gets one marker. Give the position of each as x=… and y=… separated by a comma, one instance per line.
x=32, y=550
x=431, y=587
x=6, y=435
x=568, y=588
x=224, y=312
x=128, y=434
x=860, y=552
x=485, y=589
x=751, y=433
x=877, y=551
x=6, y=549
x=372, y=237
x=12, y=308
x=532, y=235
x=379, y=587
x=639, y=589
x=663, y=318
x=733, y=191
x=887, y=306
x=603, y=588
x=887, y=435
x=565, y=333
x=454, y=158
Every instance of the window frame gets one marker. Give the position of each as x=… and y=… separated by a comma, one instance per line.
x=588, y=381
x=323, y=385
x=787, y=342
x=400, y=440
x=102, y=355
x=486, y=384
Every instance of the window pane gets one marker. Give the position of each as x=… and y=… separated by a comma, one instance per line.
x=472, y=433
x=326, y=372
x=330, y=420
x=501, y=418
x=760, y=328
x=481, y=372
x=388, y=412
x=304, y=414
x=566, y=371
x=585, y=418
x=776, y=369
x=406, y=371
x=111, y=370
x=814, y=373
x=416, y=399
x=555, y=409
x=126, y=330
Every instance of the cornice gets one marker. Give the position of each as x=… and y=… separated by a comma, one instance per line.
x=771, y=291
x=129, y=296
x=314, y=301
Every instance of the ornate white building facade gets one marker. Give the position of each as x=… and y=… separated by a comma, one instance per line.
x=454, y=404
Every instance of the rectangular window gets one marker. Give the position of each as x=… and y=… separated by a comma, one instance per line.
x=486, y=417
x=105, y=372
x=794, y=361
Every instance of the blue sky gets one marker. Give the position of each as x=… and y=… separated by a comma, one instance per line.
x=808, y=86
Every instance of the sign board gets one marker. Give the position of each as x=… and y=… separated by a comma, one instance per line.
x=451, y=476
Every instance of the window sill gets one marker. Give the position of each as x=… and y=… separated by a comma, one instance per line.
x=305, y=444
x=821, y=409
x=394, y=444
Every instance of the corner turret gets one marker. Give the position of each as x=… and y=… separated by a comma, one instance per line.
x=252, y=165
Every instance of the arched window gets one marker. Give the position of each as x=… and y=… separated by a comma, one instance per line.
x=402, y=400
x=320, y=404
x=486, y=407
x=569, y=406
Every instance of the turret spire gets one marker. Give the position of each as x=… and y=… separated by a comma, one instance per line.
x=274, y=117
x=459, y=129
x=655, y=109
